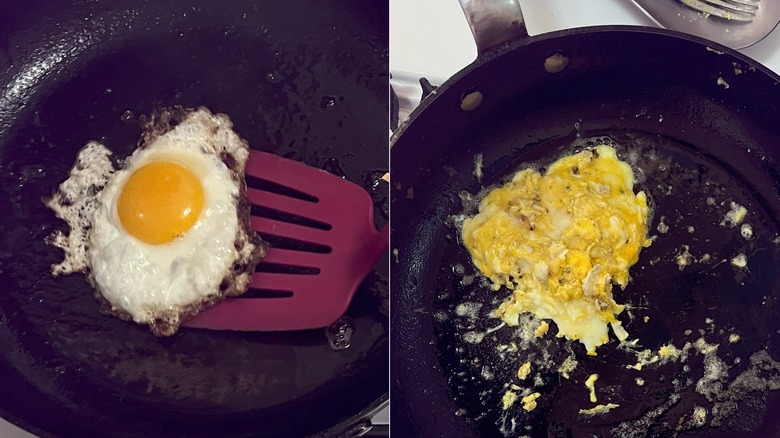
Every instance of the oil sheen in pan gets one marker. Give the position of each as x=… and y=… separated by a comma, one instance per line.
x=689, y=289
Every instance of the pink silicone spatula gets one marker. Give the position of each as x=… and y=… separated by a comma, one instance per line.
x=311, y=287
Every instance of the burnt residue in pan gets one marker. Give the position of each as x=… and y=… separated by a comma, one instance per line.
x=706, y=285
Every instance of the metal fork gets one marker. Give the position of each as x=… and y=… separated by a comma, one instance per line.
x=737, y=10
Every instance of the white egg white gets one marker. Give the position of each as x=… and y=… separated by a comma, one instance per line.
x=160, y=285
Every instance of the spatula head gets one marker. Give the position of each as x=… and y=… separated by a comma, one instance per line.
x=324, y=244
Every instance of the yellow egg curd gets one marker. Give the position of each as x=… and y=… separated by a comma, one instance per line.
x=561, y=240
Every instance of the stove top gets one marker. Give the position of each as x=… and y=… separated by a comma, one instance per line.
x=420, y=48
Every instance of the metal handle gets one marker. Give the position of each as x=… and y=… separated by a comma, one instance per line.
x=494, y=22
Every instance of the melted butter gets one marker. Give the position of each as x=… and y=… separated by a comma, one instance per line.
x=567, y=367
x=665, y=354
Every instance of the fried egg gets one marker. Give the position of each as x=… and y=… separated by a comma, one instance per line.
x=561, y=240
x=168, y=234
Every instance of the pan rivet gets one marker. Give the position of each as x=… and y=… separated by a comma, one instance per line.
x=471, y=100
x=556, y=63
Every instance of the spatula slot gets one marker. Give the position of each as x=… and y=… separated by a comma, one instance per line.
x=286, y=269
x=266, y=293
x=268, y=186
x=295, y=245
x=258, y=210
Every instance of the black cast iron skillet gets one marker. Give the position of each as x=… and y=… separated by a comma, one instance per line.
x=657, y=96
x=305, y=79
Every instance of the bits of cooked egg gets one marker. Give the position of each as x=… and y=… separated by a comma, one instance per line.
x=167, y=235
x=561, y=240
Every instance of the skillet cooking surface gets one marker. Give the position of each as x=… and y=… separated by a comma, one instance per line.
x=699, y=147
x=311, y=86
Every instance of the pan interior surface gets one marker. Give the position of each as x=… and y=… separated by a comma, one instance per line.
x=697, y=147
x=709, y=298
x=311, y=87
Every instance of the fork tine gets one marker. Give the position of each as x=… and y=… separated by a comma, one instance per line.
x=730, y=5
x=735, y=5
x=288, y=230
x=753, y=3
x=721, y=9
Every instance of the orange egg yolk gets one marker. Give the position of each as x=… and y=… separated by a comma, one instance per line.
x=160, y=202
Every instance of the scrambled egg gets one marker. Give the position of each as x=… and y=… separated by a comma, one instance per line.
x=529, y=401
x=509, y=399
x=542, y=329
x=598, y=409
x=591, y=385
x=524, y=371
x=561, y=240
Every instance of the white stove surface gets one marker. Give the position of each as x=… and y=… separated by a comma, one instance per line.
x=8, y=430
x=431, y=39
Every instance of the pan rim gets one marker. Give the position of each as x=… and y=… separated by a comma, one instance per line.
x=510, y=46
